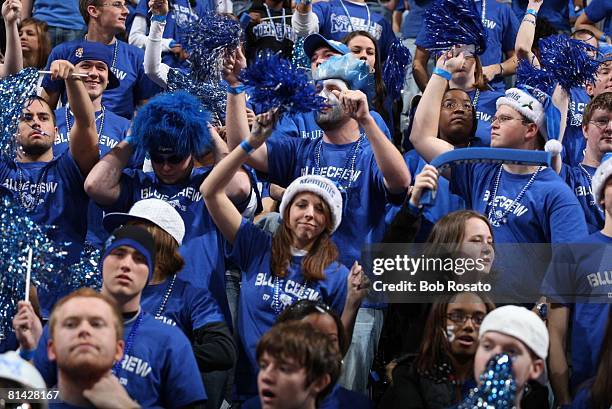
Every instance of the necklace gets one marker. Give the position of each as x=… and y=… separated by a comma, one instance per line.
x=350, y=160
x=483, y=12
x=349, y=16
x=29, y=202
x=273, y=26
x=164, y=301
x=100, y=117
x=499, y=217
x=276, y=304
x=475, y=100
x=115, y=52
x=129, y=343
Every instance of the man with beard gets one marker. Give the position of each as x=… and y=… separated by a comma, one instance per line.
x=51, y=189
x=353, y=152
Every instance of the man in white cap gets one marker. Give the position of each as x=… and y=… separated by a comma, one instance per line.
x=16, y=372
x=519, y=333
x=524, y=204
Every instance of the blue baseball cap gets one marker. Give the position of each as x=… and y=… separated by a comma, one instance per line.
x=94, y=51
x=315, y=41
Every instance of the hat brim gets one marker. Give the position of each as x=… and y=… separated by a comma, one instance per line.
x=315, y=41
x=111, y=221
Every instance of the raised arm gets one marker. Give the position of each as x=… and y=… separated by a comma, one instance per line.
x=153, y=66
x=225, y=215
x=526, y=34
x=83, y=136
x=303, y=20
x=13, y=59
x=419, y=67
x=236, y=121
x=424, y=134
x=561, y=100
x=584, y=21
x=103, y=184
x=388, y=158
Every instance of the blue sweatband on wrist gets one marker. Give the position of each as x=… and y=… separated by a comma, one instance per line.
x=129, y=139
x=442, y=73
x=603, y=38
x=248, y=148
x=239, y=89
x=159, y=17
x=532, y=12
x=27, y=354
x=172, y=43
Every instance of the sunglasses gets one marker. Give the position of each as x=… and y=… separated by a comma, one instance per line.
x=170, y=159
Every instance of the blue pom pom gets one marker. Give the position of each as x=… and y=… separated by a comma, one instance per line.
x=568, y=61
x=212, y=96
x=497, y=387
x=206, y=40
x=15, y=90
x=453, y=22
x=394, y=71
x=528, y=76
x=276, y=83
x=173, y=120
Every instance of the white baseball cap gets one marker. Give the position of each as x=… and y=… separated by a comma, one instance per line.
x=156, y=211
x=14, y=368
x=320, y=186
x=520, y=323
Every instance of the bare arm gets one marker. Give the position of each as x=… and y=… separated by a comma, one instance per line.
x=13, y=60
x=419, y=67
x=225, y=215
x=583, y=22
x=557, y=362
x=26, y=9
x=103, y=184
x=83, y=136
x=237, y=126
x=52, y=97
x=526, y=34
x=561, y=100
x=358, y=286
x=397, y=21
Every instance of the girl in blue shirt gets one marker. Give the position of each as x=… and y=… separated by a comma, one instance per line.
x=299, y=261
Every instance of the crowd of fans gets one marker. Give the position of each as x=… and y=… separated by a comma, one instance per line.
x=234, y=276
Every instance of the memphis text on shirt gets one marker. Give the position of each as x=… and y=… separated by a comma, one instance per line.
x=267, y=29
x=340, y=24
x=577, y=110
x=30, y=187
x=190, y=193
x=600, y=278
x=103, y=141
x=504, y=203
x=333, y=172
x=134, y=365
x=299, y=290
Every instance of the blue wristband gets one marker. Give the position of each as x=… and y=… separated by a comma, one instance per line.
x=442, y=73
x=603, y=38
x=532, y=12
x=248, y=148
x=159, y=17
x=129, y=139
x=27, y=354
x=239, y=89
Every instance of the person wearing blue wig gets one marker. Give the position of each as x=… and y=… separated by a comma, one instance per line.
x=173, y=129
x=353, y=152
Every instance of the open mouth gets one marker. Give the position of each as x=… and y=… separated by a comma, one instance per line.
x=465, y=340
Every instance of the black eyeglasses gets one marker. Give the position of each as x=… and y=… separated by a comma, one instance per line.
x=170, y=159
x=460, y=317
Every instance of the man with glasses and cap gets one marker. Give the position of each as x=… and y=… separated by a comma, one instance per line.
x=105, y=19
x=354, y=153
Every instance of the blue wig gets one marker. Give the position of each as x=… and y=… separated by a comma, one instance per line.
x=453, y=22
x=173, y=121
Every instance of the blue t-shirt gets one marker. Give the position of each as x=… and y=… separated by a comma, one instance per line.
x=338, y=398
x=583, y=273
x=502, y=26
x=53, y=191
x=114, y=129
x=414, y=20
x=159, y=370
x=264, y=296
x=304, y=125
x=485, y=110
x=362, y=185
x=202, y=246
x=134, y=85
x=58, y=13
x=337, y=18
x=579, y=179
x=180, y=16
x=188, y=307
x=556, y=12
x=574, y=141
x=598, y=10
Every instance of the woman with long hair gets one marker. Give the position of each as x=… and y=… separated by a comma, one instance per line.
x=35, y=43
x=442, y=372
x=177, y=302
x=298, y=261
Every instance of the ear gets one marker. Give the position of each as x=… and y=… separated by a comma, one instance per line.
x=589, y=90
x=119, y=348
x=537, y=369
x=532, y=132
x=51, y=350
x=320, y=384
x=93, y=11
